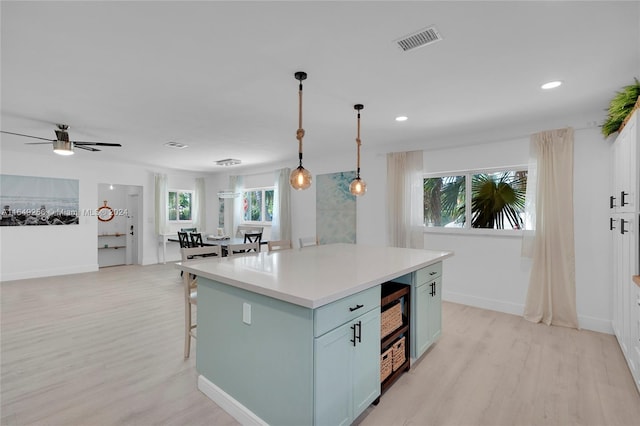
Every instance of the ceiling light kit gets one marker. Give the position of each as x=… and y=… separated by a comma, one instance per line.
x=61, y=144
x=300, y=178
x=358, y=186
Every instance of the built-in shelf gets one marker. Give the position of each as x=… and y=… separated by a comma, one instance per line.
x=111, y=247
x=392, y=293
x=111, y=235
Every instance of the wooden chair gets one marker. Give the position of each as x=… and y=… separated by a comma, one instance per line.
x=241, y=249
x=253, y=237
x=279, y=245
x=196, y=239
x=190, y=284
x=183, y=238
x=308, y=241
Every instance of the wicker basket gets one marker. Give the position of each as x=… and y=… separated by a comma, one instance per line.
x=398, y=355
x=386, y=364
x=390, y=320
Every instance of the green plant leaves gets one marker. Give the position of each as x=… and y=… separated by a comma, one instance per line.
x=620, y=107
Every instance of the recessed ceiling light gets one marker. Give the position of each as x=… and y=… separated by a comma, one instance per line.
x=402, y=118
x=176, y=145
x=551, y=85
x=228, y=162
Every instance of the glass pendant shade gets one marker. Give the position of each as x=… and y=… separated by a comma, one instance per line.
x=300, y=178
x=358, y=187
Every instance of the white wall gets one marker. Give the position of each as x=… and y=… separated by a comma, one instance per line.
x=27, y=252
x=489, y=271
x=470, y=276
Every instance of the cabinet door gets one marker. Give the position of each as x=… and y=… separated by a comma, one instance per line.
x=332, y=377
x=347, y=376
x=435, y=310
x=616, y=276
x=366, y=362
x=421, y=333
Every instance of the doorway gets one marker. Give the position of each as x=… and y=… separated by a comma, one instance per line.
x=119, y=232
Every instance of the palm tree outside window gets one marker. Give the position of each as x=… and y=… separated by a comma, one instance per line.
x=497, y=200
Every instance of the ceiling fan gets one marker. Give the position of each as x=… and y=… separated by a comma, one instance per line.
x=61, y=144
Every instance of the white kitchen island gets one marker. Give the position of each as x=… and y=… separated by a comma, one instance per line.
x=292, y=337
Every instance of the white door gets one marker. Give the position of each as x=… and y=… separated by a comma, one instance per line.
x=133, y=229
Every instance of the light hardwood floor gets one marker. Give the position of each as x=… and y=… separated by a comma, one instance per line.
x=105, y=348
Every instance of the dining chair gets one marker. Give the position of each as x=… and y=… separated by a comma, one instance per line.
x=308, y=241
x=183, y=238
x=243, y=248
x=190, y=284
x=253, y=237
x=279, y=245
x=196, y=239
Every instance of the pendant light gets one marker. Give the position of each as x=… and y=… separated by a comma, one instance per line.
x=300, y=177
x=358, y=186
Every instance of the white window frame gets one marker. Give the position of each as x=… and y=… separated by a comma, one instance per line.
x=178, y=192
x=263, y=208
x=467, y=229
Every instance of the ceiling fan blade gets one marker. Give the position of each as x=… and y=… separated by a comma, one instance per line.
x=38, y=143
x=77, y=143
x=27, y=136
x=88, y=148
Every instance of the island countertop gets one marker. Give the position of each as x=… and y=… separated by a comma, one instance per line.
x=314, y=276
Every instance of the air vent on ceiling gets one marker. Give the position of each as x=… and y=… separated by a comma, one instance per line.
x=228, y=162
x=420, y=38
x=176, y=145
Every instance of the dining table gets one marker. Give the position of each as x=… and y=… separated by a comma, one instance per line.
x=223, y=242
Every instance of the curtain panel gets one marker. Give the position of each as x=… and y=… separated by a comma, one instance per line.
x=551, y=297
x=405, y=224
x=200, y=206
x=281, y=221
x=161, y=191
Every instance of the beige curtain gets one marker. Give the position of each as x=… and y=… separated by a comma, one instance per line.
x=160, y=207
x=281, y=221
x=200, y=206
x=551, y=297
x=405, y=225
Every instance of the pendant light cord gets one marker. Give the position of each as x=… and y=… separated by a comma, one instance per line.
x=300, y=132
x=358, y=142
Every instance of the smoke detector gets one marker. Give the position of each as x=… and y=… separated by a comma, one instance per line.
x=419, y=38
x=176, y=145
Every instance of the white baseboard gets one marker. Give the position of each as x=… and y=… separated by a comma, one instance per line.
x=235, y=409
x=22, y=275
x=588, y=323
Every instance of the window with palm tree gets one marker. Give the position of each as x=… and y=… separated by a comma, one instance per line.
x=258, y=205
x=497, y=200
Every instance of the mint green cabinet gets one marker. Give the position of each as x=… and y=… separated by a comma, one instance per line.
x=347, y=370
x=426, y=301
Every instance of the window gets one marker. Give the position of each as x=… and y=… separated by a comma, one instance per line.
x=257, y=204
x=497, y=199
x=179, y=206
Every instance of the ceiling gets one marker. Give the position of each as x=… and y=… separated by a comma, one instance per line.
x=219, y=76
